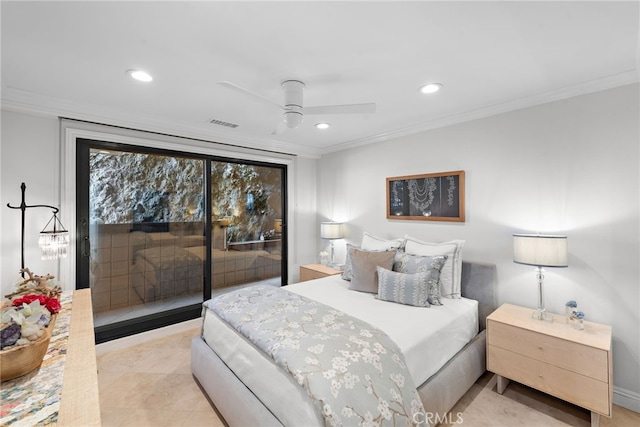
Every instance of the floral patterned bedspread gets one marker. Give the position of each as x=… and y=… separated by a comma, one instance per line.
x=354, y=373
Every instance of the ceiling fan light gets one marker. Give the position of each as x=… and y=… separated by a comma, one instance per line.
x=292, y=119
x=323, y=126
x=141, y=76
x=430, y=88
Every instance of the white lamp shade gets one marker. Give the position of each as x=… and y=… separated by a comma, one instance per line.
x=277, y=225
x=540, y=250
x=331, y=230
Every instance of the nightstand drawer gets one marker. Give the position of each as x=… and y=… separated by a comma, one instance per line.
x=306, y=274
x=579, y=389
x=572, y=356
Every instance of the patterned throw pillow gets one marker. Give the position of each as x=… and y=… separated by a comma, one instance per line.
x=451, y=274
x=364, y=263
x=347, y=273
x=403, y=288
x=411, y=264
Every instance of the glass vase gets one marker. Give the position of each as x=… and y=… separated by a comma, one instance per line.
x=568, y=311
x=578, y=324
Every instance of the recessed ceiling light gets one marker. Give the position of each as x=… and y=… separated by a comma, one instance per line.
x=323, y=125
x=140, y=75
x=431, y=88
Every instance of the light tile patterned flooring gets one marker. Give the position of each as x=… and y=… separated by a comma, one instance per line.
x=150, y=384
x=126, y=313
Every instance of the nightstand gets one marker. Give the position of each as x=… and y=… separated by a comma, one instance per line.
x=316, y=271
x=573, y=365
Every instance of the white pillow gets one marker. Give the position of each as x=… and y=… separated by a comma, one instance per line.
x=374, y=243
x=451, y=275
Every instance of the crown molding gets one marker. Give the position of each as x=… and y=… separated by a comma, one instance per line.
x=609, y=82
x=30, y=103
x=26, y=102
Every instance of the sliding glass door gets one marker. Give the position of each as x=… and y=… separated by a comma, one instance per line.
x=159, y=231
x=247, y=211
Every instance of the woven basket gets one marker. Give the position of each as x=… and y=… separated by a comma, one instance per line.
x=16, y=361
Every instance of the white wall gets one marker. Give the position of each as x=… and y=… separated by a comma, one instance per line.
x=305, y=230
x=29, y=153
x=567, y=167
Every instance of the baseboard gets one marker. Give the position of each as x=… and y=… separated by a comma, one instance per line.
x=626, y=398
x=132, y=340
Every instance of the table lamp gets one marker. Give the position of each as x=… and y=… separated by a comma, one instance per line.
x=540, y=251
x=331, y=231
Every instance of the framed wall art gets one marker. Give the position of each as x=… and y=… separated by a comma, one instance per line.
x=428, y=197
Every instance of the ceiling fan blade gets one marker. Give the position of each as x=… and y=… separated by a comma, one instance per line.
x=342, y=109
x=240, y=89
x=280, y=129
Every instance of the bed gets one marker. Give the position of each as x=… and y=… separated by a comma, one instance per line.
x=248, y=389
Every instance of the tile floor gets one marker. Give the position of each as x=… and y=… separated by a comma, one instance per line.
x=150, y=384
x=126, y=313
x=521, y=406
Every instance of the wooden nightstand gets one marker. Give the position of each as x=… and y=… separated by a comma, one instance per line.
x=316, y=271
x=552, y=357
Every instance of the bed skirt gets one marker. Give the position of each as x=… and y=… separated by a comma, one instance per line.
x=240, y=407
x=237, y=404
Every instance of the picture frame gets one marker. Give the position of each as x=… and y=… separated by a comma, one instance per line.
x=427, y=197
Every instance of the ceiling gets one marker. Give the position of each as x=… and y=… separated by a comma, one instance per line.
x=70, y=58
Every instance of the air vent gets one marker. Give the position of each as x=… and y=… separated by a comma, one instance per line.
x=223, y=123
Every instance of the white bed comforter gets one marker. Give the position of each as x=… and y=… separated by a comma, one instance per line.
x=353, y=372
x=428, y=337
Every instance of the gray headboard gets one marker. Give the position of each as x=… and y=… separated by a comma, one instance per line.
x=478, y=283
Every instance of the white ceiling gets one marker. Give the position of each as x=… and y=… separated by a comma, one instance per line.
x=70, y=58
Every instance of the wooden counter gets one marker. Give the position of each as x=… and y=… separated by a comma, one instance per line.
x=64, y=390
x=80, y=403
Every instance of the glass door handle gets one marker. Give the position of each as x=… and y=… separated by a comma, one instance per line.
x=86, y=243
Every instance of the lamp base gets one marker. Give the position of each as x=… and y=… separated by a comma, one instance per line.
x=541, y=314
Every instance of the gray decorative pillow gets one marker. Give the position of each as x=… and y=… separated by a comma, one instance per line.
x=347, y=273
x=364, y=263
x=451, y=274
x=403, y=288
x=411, y=264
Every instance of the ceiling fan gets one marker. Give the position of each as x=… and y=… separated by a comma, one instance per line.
x=293, y=108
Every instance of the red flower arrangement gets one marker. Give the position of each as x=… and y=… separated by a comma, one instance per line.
x=51, y=304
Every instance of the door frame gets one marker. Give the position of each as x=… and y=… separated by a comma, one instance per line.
x=72, y=130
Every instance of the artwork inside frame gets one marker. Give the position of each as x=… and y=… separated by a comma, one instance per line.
x=427, y=197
